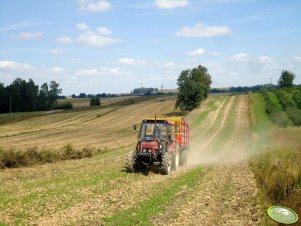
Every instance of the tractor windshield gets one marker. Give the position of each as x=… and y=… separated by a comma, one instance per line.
x=152, y=131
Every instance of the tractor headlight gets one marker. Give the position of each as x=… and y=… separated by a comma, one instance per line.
x=144, y=150
x=150, y=150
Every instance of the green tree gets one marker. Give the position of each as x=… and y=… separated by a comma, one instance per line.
x=95, y=101
x=43, y=98
x=17, y=91
x=193, y=86
x=53, y=93
x=32, y=91
x=286, y=79
x=4, y=99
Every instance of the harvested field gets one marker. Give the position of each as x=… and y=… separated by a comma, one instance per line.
x=98, y=190
x=95, y=127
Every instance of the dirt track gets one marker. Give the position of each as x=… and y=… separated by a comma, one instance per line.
x=227, y=193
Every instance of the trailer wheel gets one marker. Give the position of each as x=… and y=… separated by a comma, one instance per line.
x=166, y=163
x=183, y=157
x=131, y=164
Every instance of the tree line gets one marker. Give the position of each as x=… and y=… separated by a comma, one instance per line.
x=145, y=91
x=84, y=95
x=22, y=96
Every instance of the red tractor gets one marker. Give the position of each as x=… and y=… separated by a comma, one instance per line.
x=162, y=142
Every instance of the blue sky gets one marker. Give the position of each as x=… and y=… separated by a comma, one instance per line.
x=113, y=46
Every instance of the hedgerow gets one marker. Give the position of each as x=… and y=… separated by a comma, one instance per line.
x=297, y=98
x=295, y=115
x=284, y=99
x=275, y=112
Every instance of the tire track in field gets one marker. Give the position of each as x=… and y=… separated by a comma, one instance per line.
x=195, y=132
x=225, y=116
x=226, y=195
x=217, y=113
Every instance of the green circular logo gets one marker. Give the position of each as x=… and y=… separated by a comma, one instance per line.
x=282, y=215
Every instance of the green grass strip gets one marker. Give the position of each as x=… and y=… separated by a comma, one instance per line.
x=228, y=129
x=260, y=122
x=144, y=211
x=203, y=115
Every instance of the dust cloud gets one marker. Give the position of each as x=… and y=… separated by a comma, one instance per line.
x=227, y=139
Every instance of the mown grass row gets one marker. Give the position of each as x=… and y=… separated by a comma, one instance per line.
x=283, y=106
x=11, y=158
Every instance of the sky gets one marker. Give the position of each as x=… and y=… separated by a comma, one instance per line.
x=114, y=46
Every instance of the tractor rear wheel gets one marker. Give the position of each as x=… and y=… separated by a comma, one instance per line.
x=131, y=164
x=166, y=163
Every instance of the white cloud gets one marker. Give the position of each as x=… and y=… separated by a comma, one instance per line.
x=201, y=30
x=93, y=39
x=216, y=53
x=116, y=71
x=298, y=58
x=169, y=65
x=196, y=52
x=98, y=38
x=241, y=57
x=264, y=60
x=90, y=71
x=20, y=25
x=94, y=7
x=170, y=4
x=103, y=31
x=28, y=35
x=64, y=40
x=82, y=26
x=130, y=61
x=14, y=66
x=57, y=70
x=127, y=61
x=56, y=52
x=119, y=71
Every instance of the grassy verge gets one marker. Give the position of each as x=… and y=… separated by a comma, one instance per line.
x=260, y=122
x=278, y=171
x=144, y=211
x=276, y=166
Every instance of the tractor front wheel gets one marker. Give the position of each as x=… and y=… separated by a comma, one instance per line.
x=166, y=163
x=131, y=164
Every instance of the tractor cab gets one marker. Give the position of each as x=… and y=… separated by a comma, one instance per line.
x=157, y=131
